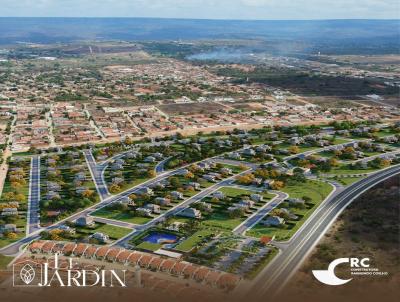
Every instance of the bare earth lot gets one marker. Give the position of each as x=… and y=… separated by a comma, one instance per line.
x=191, y=108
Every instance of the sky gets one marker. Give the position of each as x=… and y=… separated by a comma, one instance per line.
x=205, y=9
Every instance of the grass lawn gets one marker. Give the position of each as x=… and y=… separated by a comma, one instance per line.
x=344, y=169
x=112, y=231
x=222, y=221
x=385, y=132
x=189, y=243
x=118, y=215
x=316, y=190
x=233, y=192
x=4, y=261
x=301, y=148
x=149, y=246
x=338, y=141
x=235, y=169
x=6, y=241
x=347, y=180
x=131, y=184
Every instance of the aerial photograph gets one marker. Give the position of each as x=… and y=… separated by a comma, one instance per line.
x=200, y=150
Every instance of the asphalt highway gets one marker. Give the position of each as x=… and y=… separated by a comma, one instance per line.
x=273, y=278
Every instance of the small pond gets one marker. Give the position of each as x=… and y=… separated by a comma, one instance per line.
x=160, y=238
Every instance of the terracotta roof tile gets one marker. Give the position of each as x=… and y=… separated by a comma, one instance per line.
x=134, y=258
x=36, y=246
x=68, y=248
x=167, y=265
x=47, y=247
x=189, y=270
x=102, y=252
x=80, y=248
x=123, y=256
x=179, y=267
x=90, y=251
x=112, y=254
x=58, y=247
x=213, y=277
x=201, y=273
x=228, y=281
x=156, y=262
x=145, y=260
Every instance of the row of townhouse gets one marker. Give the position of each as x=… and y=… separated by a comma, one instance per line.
x=174, y=267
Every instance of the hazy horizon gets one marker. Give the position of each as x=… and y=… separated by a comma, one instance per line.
x=188, y=18
x=206, y=9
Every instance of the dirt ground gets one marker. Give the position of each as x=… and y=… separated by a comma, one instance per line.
x=191, y=108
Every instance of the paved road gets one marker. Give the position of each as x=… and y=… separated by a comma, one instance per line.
x=272, y=279
x=257, y=216
x=33, y=223
x=160, y=167
x=326, y=148
x=381, y=155
x=96, y=172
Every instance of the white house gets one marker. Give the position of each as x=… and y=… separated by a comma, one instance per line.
x=84, y=221
x=273, y=221
x=190, y=212
x=256, y=197
x=101, y=237
x=218, y=194
x=177, y=195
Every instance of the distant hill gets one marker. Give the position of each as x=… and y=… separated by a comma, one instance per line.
x=339, y=36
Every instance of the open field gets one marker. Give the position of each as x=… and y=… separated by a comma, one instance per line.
x=118, y=215
x=192, y=241
x=191, y=108
x=112, y=231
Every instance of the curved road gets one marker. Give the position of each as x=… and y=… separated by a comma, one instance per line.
x=273, y=278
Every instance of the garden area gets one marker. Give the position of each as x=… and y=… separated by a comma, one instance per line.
x=312, y=192
x=83, y=233
x=66, y=186
x=234, y=206
x=14, y=201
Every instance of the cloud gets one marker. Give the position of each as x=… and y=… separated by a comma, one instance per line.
x=218, y=9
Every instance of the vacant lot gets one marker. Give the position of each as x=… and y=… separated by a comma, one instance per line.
x=192, y=241
x=192, y=108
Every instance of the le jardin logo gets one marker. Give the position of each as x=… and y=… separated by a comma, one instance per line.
x=35, y=274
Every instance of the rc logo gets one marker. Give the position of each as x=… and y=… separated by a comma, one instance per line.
x=328, y=276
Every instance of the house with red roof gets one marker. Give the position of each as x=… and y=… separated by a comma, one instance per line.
x=123, y=256
x=145, y=260
x=47, y=247
x=134, y=258
x=79, y=249
x=90, y=252
x=102, y=252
